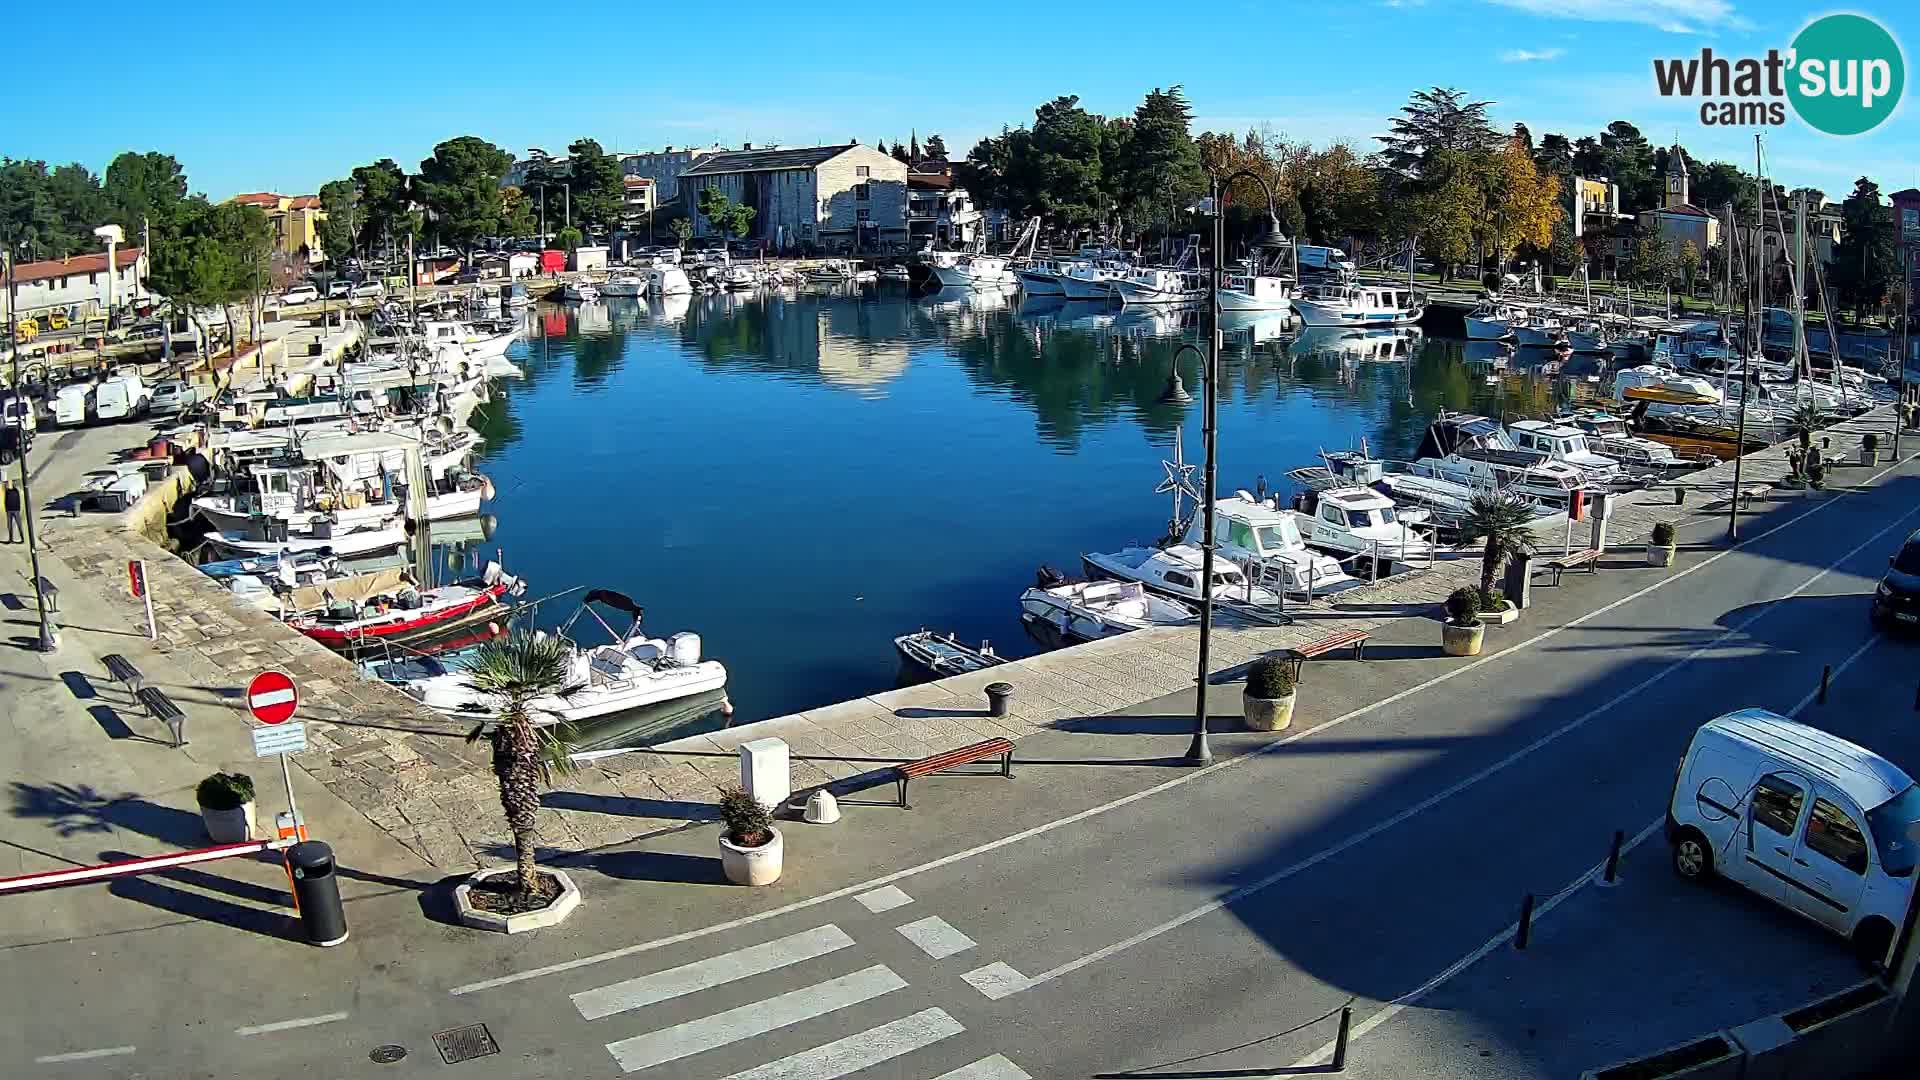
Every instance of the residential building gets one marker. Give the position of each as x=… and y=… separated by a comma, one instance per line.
x=665, y=167
x=640, y=191
x=1906, y=225
x=1678, y=220
x=295, y=220
x=843, y=198
x=78, y=284
x=939, y=214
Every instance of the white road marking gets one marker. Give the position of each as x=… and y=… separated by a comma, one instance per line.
x=936, y=937
x=884, y=899
x=1167, y=785
x=758, y=1018
x=987, y=1068
x=289, y=1025
x=1426, y=804
x=997, y=980
x=83, y=1055
x=856, y=1052
x=713, y=971
x=1403, y=1002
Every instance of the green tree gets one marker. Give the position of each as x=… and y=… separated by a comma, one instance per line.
x=218, y=258
x=1499, y=523
x=516, y=213
x=984, y=171
x=1065, y=161
x=1650, y=258
x=1865, y=262
x=385, y=204
x=1162, y=164
x=339, y=230
x=899, y=153
x=1719, y=183
x=31, y=222
x=147, y=188
x=1689, y=263
x=1629, y=161
x=936, y=148
x=682, y=230
x=1563, y=253
x=728, y=218
x=460, y=186
x=517, y=674
x=1435, y=121
x=599, y=190
x=567, y=239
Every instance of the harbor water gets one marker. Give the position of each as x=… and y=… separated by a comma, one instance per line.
x=800, y=476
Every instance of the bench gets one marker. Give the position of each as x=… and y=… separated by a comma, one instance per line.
x=1750, y=492
x=1300, y=654
x=1000, y=748
x=161, y=708
x=121, y=670
x=1561, y=564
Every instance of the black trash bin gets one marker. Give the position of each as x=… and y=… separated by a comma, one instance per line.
x=316, y=891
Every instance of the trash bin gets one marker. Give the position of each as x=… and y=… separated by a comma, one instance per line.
x=316, y=892
x=1518, y=586
x=999, y=698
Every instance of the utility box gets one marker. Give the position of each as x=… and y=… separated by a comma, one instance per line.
x=1518, y=585
x=766, y=772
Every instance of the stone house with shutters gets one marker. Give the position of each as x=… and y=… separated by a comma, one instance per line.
x=846, y=198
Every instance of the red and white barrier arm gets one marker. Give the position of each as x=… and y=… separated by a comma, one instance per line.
x=80, y=874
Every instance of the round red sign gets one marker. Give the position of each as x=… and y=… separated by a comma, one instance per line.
x=271, y=697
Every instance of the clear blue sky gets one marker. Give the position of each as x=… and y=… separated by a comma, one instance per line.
x=276, y=97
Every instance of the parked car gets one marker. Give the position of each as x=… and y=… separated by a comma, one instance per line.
x=152, y=331
x=15, y=441
x=19, y=411
x=1896, y=602
x=339, y=290
x=300, y=294
x=1819, y=825
x=367, y=289
x=173, y=396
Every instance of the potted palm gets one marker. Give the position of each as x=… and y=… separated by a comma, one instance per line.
x=226, y=807
x=1660, y=544
x=1267, y=702
x=1805, y=423
x=751, y=847
x=1463, y=633
x=1499, y=522
x=513, y=673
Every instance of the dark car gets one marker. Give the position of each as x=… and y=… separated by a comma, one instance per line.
x=1897, y=601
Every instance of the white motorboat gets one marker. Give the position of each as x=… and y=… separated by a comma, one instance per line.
x=896, y=274
x=582, y=292
x=1612, y=437
x=1477, y=452
x=1365, y=306
x=1359, y=521
x=1493, y=320
x=1666, y=380
x=973, y=271
x=345, y=543
x=864, y=276
x=668, y=280
x=1040, y=276
x=1062, y=611
x=1266, y=541
x=1256, y=292
x=1538, y=331
x=1568, y=445
x=633, y=671
x=474, y=342
x=1175, y=571
x=1443, y=503
x=1093, y=279
x=625, y=283
x=1158, y=286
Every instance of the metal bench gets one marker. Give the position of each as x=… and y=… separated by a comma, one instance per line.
x=121, y=670
x=161, y=708
x=1000, y=748
x=1300, y=654
x=1561, y=564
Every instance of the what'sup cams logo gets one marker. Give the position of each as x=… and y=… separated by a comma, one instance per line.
x=1843, y=75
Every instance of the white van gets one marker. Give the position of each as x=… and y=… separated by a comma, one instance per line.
x=1802, y=817
x=21, y=411
x=1324, y=259
x=120, y=397
x=73, y=404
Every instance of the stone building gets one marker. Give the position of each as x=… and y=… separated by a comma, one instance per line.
x=843, y=198
x=1677, y=218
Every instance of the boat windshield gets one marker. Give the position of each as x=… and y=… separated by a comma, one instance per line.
x=1363, y=518
x=1279, y=537
x=1889, y=823
x=1573, y=445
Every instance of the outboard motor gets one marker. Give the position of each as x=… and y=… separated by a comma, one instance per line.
x=1048, y=578
x=684, y=648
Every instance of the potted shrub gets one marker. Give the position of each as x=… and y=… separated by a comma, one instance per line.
x=1501, y=523
x=1463, y=633
x=750, y=846
x=1870, y=448
x=1268, y=700
x=226, y=806
x=1494, y=606
x=1660, y=545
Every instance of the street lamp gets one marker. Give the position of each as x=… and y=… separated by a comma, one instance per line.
x=1176, y=391
x=47, y=641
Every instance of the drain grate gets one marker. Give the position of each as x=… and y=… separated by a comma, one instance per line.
x=465, y=1043
x=387, y=1055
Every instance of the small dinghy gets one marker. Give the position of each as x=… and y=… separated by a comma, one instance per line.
x=935, y=656
x=386, y=605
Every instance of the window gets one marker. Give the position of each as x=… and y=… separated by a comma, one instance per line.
x=862, y=192
x=1831, y=833
x=862, y=171
x=1776, y=804
x=860, y=214
x=1889, y=822
x=1333, y=514
x=93, y=279
x=1174, y=577
x=1239, y=535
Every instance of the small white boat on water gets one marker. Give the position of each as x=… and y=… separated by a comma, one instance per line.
x=1367, y=306
x=975, y=271
x=625, y=283
x=929, y=654
x=668, y=280
x=1040, y=276
x=1093, y=279
x=345, y=543
x=1538, y=331
x=1159, y=286
x=1175, y=571
x=898, y=275
x=739, y=278
x=580, y=292
x=1256, y=292
x=1063, y=611
x=1359, y=521
x=1611, y=436
x=1493, y=320
x=1477, y=452
x=1568, y=445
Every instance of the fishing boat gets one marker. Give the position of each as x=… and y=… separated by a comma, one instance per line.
x=1175, y=571
x=1359, y=521
x=1257, y=289
x=1265, y=540
x=261, y=537
x=1344, y=304
x=931, y=655
x=1587, y=336
x=971, y=271
x=1538, y=330
x=1159, y=286
x=625, y=283
x=1493, y=320
x=389, y=605
x=632, y=671
x=1093, y=279
x=1059, y=610
x=1477, y=452
x=1040, y=276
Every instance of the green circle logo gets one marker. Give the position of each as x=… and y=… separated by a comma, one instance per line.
x=1847, y=74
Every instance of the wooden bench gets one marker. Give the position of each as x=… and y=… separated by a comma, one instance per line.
x=1300, y=654
x=121, y=670
x=161, y=708
x=1000, y=748
x=1750, y=492
x=1563, y=563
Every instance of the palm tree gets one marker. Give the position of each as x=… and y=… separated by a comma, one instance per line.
x=1500, y=520
x=514, y=672
x=1805, y=422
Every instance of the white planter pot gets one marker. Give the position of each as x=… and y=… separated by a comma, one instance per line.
x=1267, y=714
x=229, y=826
x=1462, y=640
x=1505, y=615
x=479, y=918
x=1659, y=554
x=752, y=866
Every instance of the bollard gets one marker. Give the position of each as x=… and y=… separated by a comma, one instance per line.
x=316, y=892
x=1826, y=676
x=1679, y=495
x=998, y=697
x=1525, y=931
x=1613, y=859
x=1340, y=1040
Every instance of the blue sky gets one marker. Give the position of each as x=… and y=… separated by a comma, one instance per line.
x=253, y=97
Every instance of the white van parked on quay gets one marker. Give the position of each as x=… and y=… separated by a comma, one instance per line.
x=1806, y=819
x=73, y=404
x=120, y=397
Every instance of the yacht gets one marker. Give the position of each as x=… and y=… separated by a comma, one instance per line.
x=1175, y=571
x=1611, y=436
x=1476, y=452
x=1059, y=610
x=1265, y=540
x=624, y=283
x=1368, y=306
x=1493, y=320
x=1569, y=446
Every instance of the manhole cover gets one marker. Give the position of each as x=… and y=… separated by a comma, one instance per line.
x=465, y=1043
x=387, y=1055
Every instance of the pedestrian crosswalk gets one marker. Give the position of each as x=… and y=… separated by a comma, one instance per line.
x=819, y=1004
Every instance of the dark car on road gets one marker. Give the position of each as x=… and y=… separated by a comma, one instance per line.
x=1897, y=601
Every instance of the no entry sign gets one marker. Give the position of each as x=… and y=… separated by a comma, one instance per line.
x=271, y=697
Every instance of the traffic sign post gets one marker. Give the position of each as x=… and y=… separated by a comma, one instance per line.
x=137, y=581
x=272, y=698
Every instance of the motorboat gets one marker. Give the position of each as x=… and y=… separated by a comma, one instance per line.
x=1587, y=336
x=1611, y=436
x=263, y=581
x=261, y=537
x=625, y=283
x=1663, y=378
x=1175, y=571
x=1093, y=279
x=388, y=605
x=1265, y=540
x=668, y=280
x=1346, y=304
x=896, y=274
x=971, y=271
x=1359, y=521
x=740, y=277
x=1059, y=610
x=1477, y=452
x=1040, y=276
x=1156, y=286
x=583, y=292
x=295, y=494
x=1569, y=446
x=931, y=655
x=830, y=272
x=1493, y=320
x=1258, y=288
x=630, y=672
x=1538, y=330
x=473, y=341
x=1444, y=504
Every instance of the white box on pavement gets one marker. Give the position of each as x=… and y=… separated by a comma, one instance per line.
x=765, y=772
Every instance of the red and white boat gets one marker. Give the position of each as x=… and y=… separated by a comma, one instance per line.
x=387, y=606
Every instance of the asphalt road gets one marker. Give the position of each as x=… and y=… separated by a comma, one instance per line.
x=1115, y=916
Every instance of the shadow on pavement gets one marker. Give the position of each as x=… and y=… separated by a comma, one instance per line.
x=630, y=806
x=1217, y=724
x=193, y=905
x=80, y=808
x=659, y=866
x=916, y=712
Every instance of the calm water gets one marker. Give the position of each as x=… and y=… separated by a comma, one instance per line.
x=801, y=478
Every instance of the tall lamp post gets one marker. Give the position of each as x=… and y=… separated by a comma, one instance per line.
x=47, y=641
x=1199, y=752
